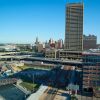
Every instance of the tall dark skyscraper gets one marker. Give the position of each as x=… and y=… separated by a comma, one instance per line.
x=74, y=27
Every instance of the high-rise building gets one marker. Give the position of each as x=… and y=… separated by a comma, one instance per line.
x=60, y=44
x=74, y=27
x=89, y=42
x=36, y=42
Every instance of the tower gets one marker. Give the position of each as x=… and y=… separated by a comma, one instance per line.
x=36, y=42
x=74, y=27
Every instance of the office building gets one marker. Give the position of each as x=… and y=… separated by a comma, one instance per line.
x=60, y=44
x=89, y=42
x=74, y=27
x=91, y=72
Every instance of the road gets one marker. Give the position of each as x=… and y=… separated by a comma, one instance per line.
x=46, y=60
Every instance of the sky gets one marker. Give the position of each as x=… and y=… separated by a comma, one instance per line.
x=21, y=21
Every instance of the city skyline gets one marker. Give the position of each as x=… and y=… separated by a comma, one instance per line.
x=23, y=20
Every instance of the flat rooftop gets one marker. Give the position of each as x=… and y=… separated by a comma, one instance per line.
x=10, y=92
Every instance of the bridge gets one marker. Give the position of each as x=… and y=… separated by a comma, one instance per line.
x=17, y=53
x=45, y=60
x=54, y=61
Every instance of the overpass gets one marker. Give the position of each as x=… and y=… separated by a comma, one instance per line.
x=54, y=61
x=16, y=53
x=45, y=60
x=8, y=53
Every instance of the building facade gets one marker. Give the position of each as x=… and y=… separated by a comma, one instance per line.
x=91, y=71
x=40, y=47
x=51, y=53
x=74, y=27
x=63, y=54
x=89, y=42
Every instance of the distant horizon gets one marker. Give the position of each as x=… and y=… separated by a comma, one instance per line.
x=35, y=40
x=21, y=21
x=29, y=42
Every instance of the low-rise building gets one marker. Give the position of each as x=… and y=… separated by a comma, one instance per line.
x=51, y=53
x=63, y=54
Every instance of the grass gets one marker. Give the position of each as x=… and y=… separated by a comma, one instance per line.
x=98, y=88
x=29, y=86
x=34, y=67
x=25, y=67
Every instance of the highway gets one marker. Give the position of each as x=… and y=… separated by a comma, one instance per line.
x=41, y=59
x=8, y=53
x=54, y=61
